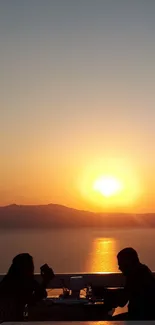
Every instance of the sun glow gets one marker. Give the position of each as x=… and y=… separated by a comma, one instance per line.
x=107, y=186
x=111, y=186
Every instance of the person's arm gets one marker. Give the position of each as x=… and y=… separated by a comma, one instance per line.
x=116, y=297
x=122, y=297
x=47, y=275
x=39, y=291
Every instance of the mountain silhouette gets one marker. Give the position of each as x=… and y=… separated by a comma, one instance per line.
x=54, y=215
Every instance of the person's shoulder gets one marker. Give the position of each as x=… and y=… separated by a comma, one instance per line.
x=146, y=273
x=144, y=268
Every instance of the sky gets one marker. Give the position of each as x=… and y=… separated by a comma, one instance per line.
x=77, y=102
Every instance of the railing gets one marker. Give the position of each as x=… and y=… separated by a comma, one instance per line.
x=99, y=279
x=104, y=279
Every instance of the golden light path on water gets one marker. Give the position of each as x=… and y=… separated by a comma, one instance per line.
x=92, y=323
x=100, y=323
x=102, y=257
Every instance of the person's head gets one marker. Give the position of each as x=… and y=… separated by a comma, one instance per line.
x=127, y=260
x=22, y=266
x=19, y=273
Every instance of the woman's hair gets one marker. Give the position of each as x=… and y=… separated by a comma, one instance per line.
x=21, y=267
x=22, y=264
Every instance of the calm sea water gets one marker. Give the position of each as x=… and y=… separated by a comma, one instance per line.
x=82, y=250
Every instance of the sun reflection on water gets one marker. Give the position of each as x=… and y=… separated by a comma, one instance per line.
x=102, y=257
x=95, y=323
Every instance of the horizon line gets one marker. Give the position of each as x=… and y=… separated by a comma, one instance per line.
x=81, y=210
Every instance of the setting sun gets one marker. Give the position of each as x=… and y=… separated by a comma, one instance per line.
x=107, y=186
x=111, y=185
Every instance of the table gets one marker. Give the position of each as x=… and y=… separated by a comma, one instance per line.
x=71, y=311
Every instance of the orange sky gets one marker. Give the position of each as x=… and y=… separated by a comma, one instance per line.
x=77, y=102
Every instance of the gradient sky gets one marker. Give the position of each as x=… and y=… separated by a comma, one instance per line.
x=77, y=88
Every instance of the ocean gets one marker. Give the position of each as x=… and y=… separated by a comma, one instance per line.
x=76, y=250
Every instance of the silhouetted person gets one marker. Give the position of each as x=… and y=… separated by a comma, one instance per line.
x=19, y=287
x=139, y=291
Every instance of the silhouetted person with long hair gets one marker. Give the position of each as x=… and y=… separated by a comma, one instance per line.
x=19, y=287
x=139, y=290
